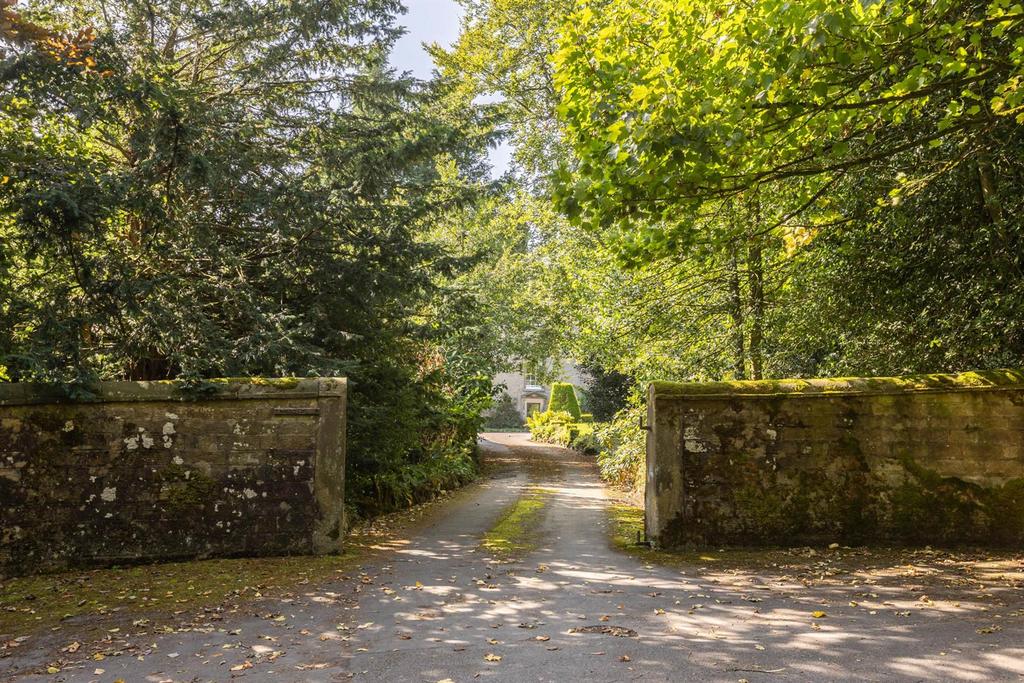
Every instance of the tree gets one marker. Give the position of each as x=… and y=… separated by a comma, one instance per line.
x=852, y=168
x=503, y=53
x=193, y=191
x=673, y=107
x=606, y=391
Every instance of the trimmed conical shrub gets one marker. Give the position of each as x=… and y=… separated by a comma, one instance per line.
x=563, y=397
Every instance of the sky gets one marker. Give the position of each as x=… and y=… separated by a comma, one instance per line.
x=434, y=21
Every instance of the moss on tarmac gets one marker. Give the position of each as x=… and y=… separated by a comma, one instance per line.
x=35, y=603
x=517, y=530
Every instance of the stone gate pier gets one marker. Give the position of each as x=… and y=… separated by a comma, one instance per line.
x=933, y=459
x=136, y=471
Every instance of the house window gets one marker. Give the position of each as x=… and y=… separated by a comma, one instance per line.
x=534, y=407
x=531, y=376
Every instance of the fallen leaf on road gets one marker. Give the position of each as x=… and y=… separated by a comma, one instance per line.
x=73, y=647
x=989, y=629
x=492, y=657
x=625, y=658
x=241, y=667
x=818, y=614
x=618, y=631
x=542, y=639
x=492, y=641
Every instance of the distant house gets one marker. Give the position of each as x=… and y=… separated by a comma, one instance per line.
x=530, y=387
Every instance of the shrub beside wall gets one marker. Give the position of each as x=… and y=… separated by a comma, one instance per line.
x=621, y=447
x=150, y=470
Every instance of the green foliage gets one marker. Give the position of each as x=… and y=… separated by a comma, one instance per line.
x=584, y=439
x=434, y=469
x=563, y=429
x=552, y=426
x=496, y=308
x=784, y=94
x=504, y=53
x=607, y=391
x=503, y=414
x=925, y=286
x=795, y=188
x=563, y=399
x=622, y=449
x=192, y=191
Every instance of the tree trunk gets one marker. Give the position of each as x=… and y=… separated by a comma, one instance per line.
x=736, y=311
x=756, y=310
x=989, y=197
x=755, y=274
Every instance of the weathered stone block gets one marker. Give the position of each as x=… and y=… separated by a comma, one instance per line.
x=929, y=459
x=148, y=471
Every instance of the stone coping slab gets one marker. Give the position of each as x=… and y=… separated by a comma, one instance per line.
x=231, y=388
x=988, y=380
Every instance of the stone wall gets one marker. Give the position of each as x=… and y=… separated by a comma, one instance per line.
x=933, y=459
x=151, y=470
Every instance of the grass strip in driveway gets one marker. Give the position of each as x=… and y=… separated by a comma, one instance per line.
x=517, y=530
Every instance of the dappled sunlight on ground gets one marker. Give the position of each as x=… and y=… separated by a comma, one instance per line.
x=435, y=603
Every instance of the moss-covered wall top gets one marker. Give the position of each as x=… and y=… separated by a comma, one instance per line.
x=136, y=471
x=925, y=459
